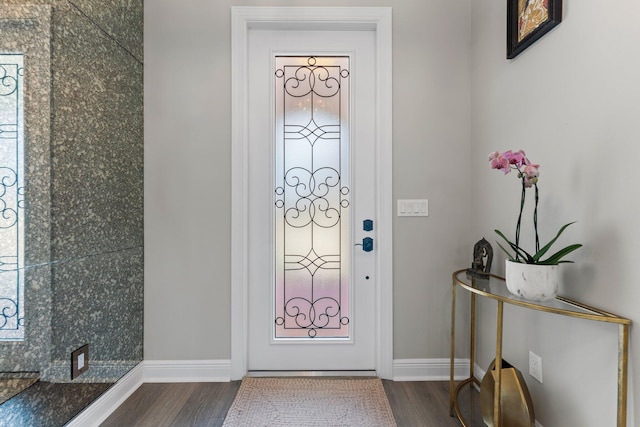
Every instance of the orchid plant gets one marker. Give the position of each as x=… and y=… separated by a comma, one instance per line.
x=528, y=173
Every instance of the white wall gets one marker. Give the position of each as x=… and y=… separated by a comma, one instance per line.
x=187, y=172
x=571, y=102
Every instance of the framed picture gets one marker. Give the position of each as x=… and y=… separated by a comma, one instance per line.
x=528, y=20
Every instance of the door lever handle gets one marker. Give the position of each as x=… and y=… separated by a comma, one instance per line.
x=367, y=244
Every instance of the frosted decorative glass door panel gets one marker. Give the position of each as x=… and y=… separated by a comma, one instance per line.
x=312, y=197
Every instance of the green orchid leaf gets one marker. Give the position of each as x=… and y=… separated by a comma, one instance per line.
x=546, y=247
x=511, y=245
x=556, y=258
x=519, y=251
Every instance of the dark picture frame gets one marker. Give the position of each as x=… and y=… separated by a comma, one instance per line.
x=528, y=20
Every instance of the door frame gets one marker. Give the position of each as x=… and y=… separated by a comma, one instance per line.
x=378, y=19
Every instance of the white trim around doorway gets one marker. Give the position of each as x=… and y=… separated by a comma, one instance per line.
x=317, y=18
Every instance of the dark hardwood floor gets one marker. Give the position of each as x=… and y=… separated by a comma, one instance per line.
x=414, y=404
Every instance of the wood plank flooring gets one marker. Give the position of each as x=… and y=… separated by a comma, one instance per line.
x=414, y=404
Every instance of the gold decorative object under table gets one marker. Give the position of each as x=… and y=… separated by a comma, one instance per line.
x=494, y=288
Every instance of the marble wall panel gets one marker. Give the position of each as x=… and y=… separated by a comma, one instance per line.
x=97, y=194
x=28, y=3
x=121, y=19
x=97, y=145
x=32, y=354
x=98, y=301
x=86, y=257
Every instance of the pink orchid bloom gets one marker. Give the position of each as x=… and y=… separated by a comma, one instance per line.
x=515, y=160
x=531, y=170
x=531, y=174
x=507, y=155
x=518, y=158
x=501, y=163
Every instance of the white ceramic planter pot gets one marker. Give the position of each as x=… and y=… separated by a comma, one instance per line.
x=531, y=281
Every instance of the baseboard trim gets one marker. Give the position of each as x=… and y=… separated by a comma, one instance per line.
x=478, y=372
x=101, y=408
x=186, y=371
x=429, y=369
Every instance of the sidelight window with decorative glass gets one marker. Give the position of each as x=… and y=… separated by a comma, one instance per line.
x=11, y=197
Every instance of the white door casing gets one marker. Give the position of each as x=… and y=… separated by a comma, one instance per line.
x=377, y=20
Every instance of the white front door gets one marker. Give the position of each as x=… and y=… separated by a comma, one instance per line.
x=311, y=160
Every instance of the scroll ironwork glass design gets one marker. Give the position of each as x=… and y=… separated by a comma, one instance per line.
x=11, y=197
x=312, y=218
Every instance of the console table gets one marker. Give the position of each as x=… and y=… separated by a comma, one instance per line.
x=494, y=288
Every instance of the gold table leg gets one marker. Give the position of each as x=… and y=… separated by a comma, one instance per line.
x=472, y=339
x=496, y=395
x=454, y=409
x=453, y=336
x=623, y=361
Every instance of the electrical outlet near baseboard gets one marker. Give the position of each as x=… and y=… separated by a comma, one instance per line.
x=535, y=366
x=79, y=361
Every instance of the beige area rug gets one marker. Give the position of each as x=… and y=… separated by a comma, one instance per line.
x=308, y=402
x=12, y=383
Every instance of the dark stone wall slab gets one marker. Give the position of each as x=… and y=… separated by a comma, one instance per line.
x=97, y=184
x=85, y=239
x=97, y=300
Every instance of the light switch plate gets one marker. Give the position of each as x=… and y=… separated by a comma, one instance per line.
x=413, y=207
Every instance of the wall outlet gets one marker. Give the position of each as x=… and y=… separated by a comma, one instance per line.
x=79, y=361
x=535, y=366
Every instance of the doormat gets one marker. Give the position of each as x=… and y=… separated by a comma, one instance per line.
x=309, y=402
x=12, y=383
